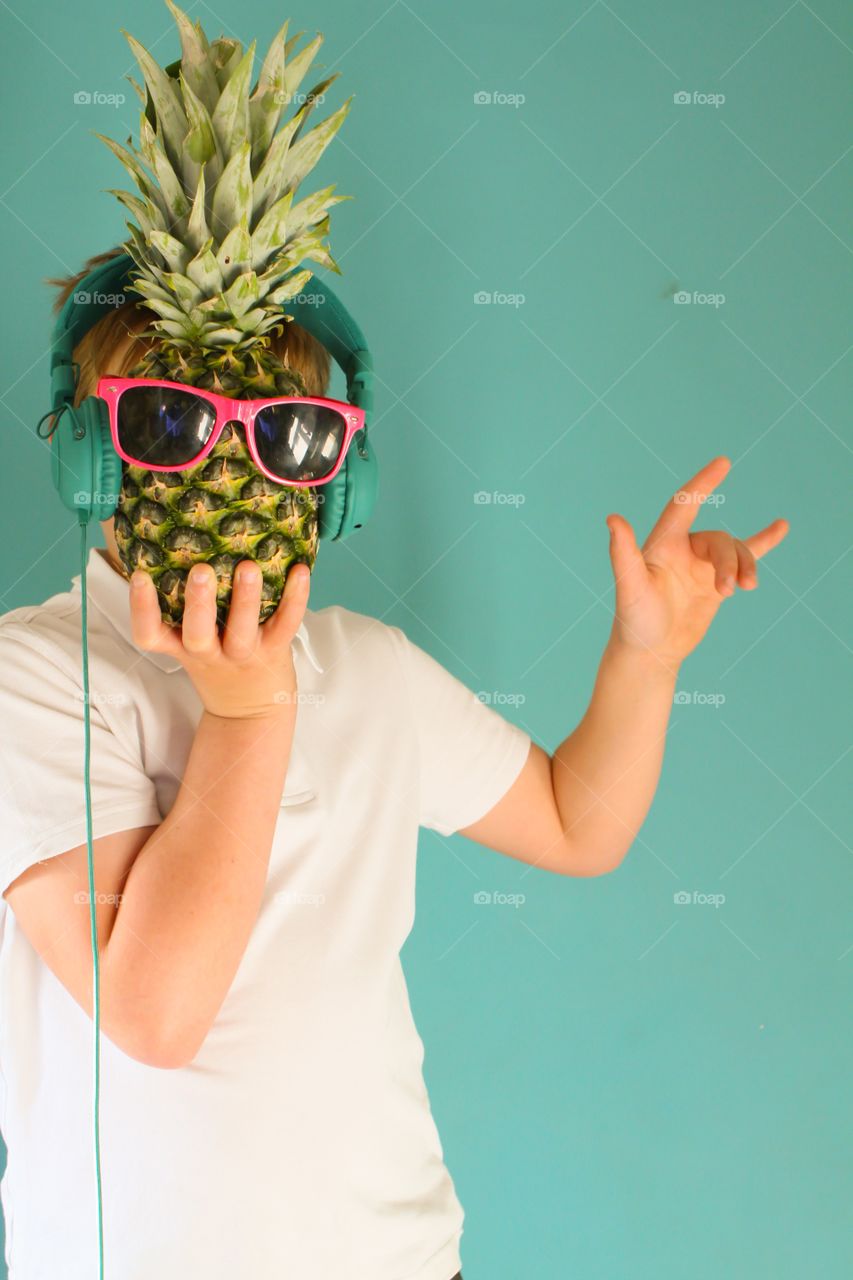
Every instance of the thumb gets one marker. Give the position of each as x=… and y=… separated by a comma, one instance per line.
x=626, y=558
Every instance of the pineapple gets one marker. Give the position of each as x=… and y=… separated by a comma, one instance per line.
x=218, y=244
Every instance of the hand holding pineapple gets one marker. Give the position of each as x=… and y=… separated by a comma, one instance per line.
x=246, y=671
x=668, y=591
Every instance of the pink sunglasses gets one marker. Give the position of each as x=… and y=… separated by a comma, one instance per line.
x=168, y=426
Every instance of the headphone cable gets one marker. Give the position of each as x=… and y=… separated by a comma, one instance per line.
x=96, y=968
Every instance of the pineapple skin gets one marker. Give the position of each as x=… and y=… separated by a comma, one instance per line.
x=223, y=510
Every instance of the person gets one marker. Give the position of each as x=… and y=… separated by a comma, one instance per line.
x=257, y=796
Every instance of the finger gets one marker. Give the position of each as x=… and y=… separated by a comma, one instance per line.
x=629, y=567
x=198, y=625
x=147, y=628
x=767, y=538
x=719, y=550
x=684, y=505
x=279, y=630
x=240, y=635
x=747, y=576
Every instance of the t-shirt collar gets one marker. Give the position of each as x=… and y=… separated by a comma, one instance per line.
x=109, y=592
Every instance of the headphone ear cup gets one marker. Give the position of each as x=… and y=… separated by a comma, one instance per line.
x=107, y=466
x=85, y=468
x=349, y=499
x=331, y=503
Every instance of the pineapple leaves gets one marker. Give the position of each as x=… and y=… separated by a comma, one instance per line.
x=267, y=100
x=133, y=166
x=235, y=252
x=270, y=232
x=174, y=251
x=232, y=199
x=307, y=151
x=195, y=64
x=204, y=271
x=231, y=114
x=146, y=214
x=291, y=287
x=218, y=239
x=200, y=142
x=312, y=97
x=243, y=294
x=198, y=231
x=162, y=88
x=296, y=69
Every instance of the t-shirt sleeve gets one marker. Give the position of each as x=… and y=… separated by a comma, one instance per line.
x=42, y=800
x=470, y=755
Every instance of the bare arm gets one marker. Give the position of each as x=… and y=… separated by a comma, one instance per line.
x=578, y=812
x=185, y=895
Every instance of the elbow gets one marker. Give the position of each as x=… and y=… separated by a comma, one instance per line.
x=168, y=1053
x=585, y=864
x=155, y=1044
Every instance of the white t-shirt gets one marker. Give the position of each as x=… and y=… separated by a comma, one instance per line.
x=300, y=1141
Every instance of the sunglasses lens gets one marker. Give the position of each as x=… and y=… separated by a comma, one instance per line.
x=162, y=426
x=299, y=441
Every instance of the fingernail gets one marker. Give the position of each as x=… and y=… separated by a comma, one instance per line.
x=137, y=578
x=249, y=573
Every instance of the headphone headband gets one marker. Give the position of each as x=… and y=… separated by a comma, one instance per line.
x=317, y=309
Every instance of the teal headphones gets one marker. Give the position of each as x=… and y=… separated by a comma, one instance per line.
x=86, y=469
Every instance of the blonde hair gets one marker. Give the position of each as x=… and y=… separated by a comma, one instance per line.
x=114, y=346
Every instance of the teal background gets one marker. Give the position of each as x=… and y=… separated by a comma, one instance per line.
x=624, y=1086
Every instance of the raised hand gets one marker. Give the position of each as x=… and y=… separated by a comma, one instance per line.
x=668, y=590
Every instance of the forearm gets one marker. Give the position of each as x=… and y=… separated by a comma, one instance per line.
x=606, y=772
x=193, y=893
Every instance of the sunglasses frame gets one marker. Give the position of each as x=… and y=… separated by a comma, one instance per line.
x=227, y=410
